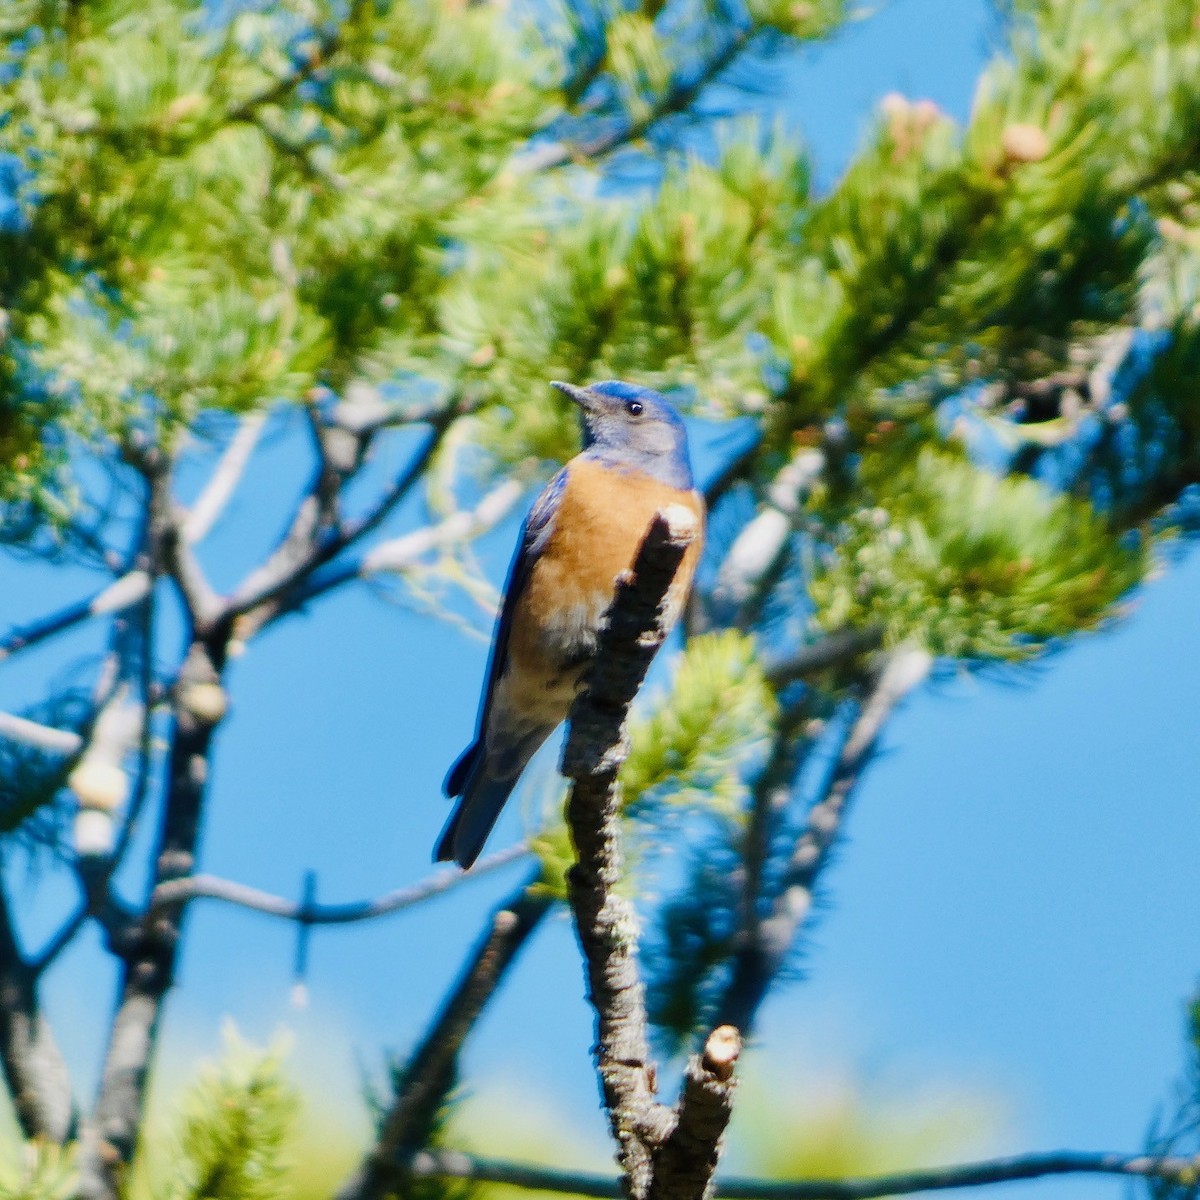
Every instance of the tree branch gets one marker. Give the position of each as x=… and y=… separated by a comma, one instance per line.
x=675, y=99
x=404, y=552
x=452, y=1164
x=151, y=947
x=41, y=737
x=210, y=887
x=303, y=548
x=759, y=961
x=831, y=650
x=280, y=88
x=179, y=560
x=683, y=1168
x=432, y=1070
x=604, y=919
x=754, y=558
x=121, y=594
x=225, y=477
x=33, y=1067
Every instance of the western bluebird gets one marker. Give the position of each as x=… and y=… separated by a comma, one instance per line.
x=582, y=531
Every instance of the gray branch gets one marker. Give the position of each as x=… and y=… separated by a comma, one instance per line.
x=150, y=949
x=313, y=537
x=449, y=1164
x=683, y=1168
x=661, y=1152
x=228, y=472
x=760, y=549
x=831, y=650
x=758, y=962
x=34, y=1069
x=432, y=1070
x=117, y=596
x=211, y=887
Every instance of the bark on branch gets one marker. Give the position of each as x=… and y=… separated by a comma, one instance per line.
x=33, y=1067
x=110, y=1134
x=662, y=1153
x=449, y=1164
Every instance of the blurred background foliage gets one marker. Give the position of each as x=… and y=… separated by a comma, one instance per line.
x=965, y=375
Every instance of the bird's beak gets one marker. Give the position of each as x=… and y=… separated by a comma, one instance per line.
x=581, y=396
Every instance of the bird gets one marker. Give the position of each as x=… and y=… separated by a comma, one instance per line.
x=582, y=532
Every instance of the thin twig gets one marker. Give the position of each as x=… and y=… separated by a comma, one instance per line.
x=41, y=737
x=757, y=963
x=303, y=549
x=405, y=552
x=210, y=887
x=225, y=477
x=122, y=593
x=279, y=88
x=674, y=100
x=831, y=650
x=453, y=1164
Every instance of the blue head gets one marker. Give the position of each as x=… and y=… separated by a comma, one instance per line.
x=634, y=429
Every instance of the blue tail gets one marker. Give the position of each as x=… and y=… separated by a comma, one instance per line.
x=482, y=797
x=484, y=778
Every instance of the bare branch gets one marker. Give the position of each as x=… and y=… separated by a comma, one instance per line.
x=673, y=100
x=41, y=737
x=604, y=919
x=117, y=596
x=451, y=1164
x=150, y=951
x=757, y=963
x=33, y=1067
x=432, y=1070
x=405, y=552
x=364, y=412
x=756, y=553
x=171, y=549
x=833, y=649
x=683, y=1168
x=98, y=778
x=210, y=887
x=225, y=478
x=309, y=543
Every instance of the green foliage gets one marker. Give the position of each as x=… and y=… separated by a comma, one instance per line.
x=693, y=748
x=971, y=565
x=666, y=288
x=694, y=745
x=234, y=1132
x=206, y=216
x=47, y=1173
x=800, y=18
x=309, y=212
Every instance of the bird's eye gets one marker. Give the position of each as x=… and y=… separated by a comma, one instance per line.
x=633, y=408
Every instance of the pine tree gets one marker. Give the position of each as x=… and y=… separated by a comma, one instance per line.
x=966, y=376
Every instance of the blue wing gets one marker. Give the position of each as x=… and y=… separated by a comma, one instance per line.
x=535, y=532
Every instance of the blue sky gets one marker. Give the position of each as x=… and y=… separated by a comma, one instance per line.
x=1007, y=921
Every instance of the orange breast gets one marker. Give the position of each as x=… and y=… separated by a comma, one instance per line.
x=601, y=521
